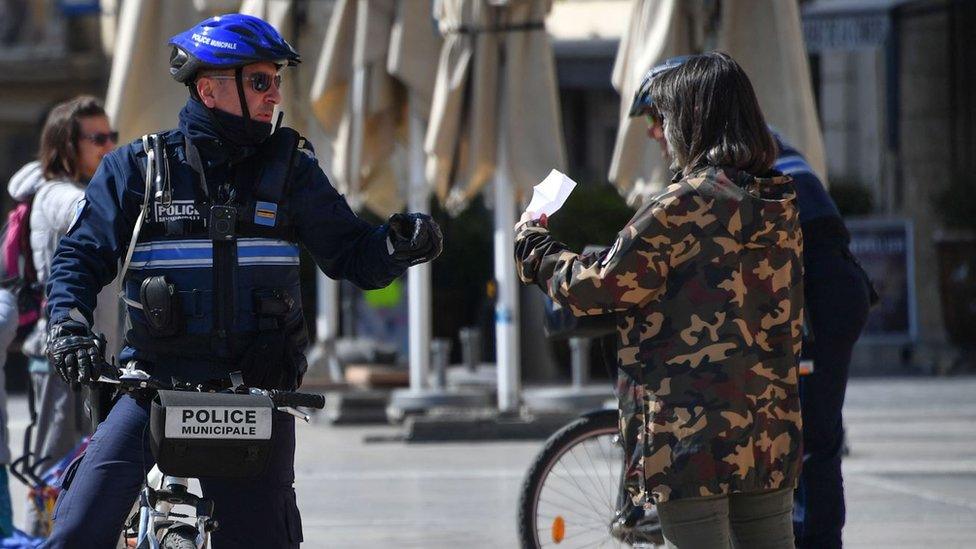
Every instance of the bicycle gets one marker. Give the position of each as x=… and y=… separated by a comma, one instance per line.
x=154, y=523
x=571, y=495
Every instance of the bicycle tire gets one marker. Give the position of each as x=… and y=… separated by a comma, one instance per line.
x=580, y=430
x=179, y=537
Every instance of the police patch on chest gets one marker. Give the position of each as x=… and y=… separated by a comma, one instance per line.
x=218, y=422
x=176, y=210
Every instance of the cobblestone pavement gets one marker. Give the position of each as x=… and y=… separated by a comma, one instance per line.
x=910, y=479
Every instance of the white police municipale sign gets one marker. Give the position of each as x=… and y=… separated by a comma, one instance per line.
x=218, y=422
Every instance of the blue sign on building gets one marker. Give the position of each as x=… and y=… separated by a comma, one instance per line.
x=75, y=8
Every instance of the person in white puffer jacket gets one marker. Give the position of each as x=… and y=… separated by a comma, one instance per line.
x=76, y=136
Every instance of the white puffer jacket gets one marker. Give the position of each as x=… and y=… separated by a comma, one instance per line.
x=53, y=209
x=55, y=203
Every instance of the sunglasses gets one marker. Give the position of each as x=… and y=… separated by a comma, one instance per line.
x=653, y=119
x=100, y=138
x=260, y=81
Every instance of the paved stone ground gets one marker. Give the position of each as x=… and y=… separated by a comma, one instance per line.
x=911, y=477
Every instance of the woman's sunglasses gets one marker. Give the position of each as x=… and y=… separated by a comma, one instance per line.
x=100, y=138
x=653, y=119
x=260, y=81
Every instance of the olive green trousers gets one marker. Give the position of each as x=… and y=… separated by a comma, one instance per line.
x=756, y=520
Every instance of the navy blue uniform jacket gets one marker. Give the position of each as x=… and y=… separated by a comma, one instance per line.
x=89, y=257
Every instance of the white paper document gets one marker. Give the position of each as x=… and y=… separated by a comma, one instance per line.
x=551, y=194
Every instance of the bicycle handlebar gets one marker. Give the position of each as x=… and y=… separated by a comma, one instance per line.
x=294, y=399
x=142, y=380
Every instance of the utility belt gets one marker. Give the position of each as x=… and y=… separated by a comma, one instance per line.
x=177, y=323
x=166, y=307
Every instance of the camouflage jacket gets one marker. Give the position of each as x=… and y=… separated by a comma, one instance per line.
x=707, y=283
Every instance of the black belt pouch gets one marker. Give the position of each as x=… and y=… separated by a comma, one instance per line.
x=161, y=306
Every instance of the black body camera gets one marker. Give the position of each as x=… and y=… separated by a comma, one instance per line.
x=223, y=222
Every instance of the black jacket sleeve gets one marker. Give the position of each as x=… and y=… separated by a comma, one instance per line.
x=343, y=245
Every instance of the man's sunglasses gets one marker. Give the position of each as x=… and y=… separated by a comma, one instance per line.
x=100, y=138
x=260, y=81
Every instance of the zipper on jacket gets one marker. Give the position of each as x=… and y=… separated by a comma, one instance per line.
x=225, y=259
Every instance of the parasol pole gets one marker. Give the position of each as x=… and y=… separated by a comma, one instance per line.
x=326, y=327
x=328, y=300
x=418, y=277
x=506, y=305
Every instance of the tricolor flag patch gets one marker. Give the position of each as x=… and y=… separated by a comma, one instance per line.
x=265, y=213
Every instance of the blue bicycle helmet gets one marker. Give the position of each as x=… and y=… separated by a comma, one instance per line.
x=642, y=99
x=227, y=42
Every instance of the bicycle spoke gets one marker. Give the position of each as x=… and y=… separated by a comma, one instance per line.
x=581, y=490
x=572, y=499
x=610, y=474
x=554, y=508
x=570, y=510
x=607, y=491
x=600, y=490
x=569, y=479
x=596, y=476
x=572, y=452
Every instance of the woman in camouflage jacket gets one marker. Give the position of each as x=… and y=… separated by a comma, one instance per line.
x=706, y=279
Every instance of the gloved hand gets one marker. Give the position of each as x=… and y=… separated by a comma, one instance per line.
x=74, y=351
x=415, y=238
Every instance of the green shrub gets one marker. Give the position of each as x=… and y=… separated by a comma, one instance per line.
x=593, y=214
x=851, y=197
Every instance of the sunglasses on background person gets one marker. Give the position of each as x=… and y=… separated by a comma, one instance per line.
x=260, y=81
x=100, y=138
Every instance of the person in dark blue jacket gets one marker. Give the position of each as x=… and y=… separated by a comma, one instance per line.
x=207, y=220
x=837, y=295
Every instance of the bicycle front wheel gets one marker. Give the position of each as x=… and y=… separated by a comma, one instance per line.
x=569, y=496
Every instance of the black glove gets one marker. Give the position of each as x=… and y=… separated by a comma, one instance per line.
x=74, y=351
x=415, y=238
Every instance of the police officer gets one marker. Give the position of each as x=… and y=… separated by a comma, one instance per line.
x=837, y=294
x=211, y=275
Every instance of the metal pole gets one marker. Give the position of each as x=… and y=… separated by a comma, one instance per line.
x=418, y=277
x=357, y=99
x=328, y=301
x=440, y=350
x=579, y=349
x=506, y=307
x=326, y=328
x=327, y=322
x=470, y=347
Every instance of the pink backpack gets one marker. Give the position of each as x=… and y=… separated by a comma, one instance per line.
x=17, y=273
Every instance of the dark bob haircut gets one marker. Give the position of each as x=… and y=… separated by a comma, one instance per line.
x=712, y=117
x=59, y=138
